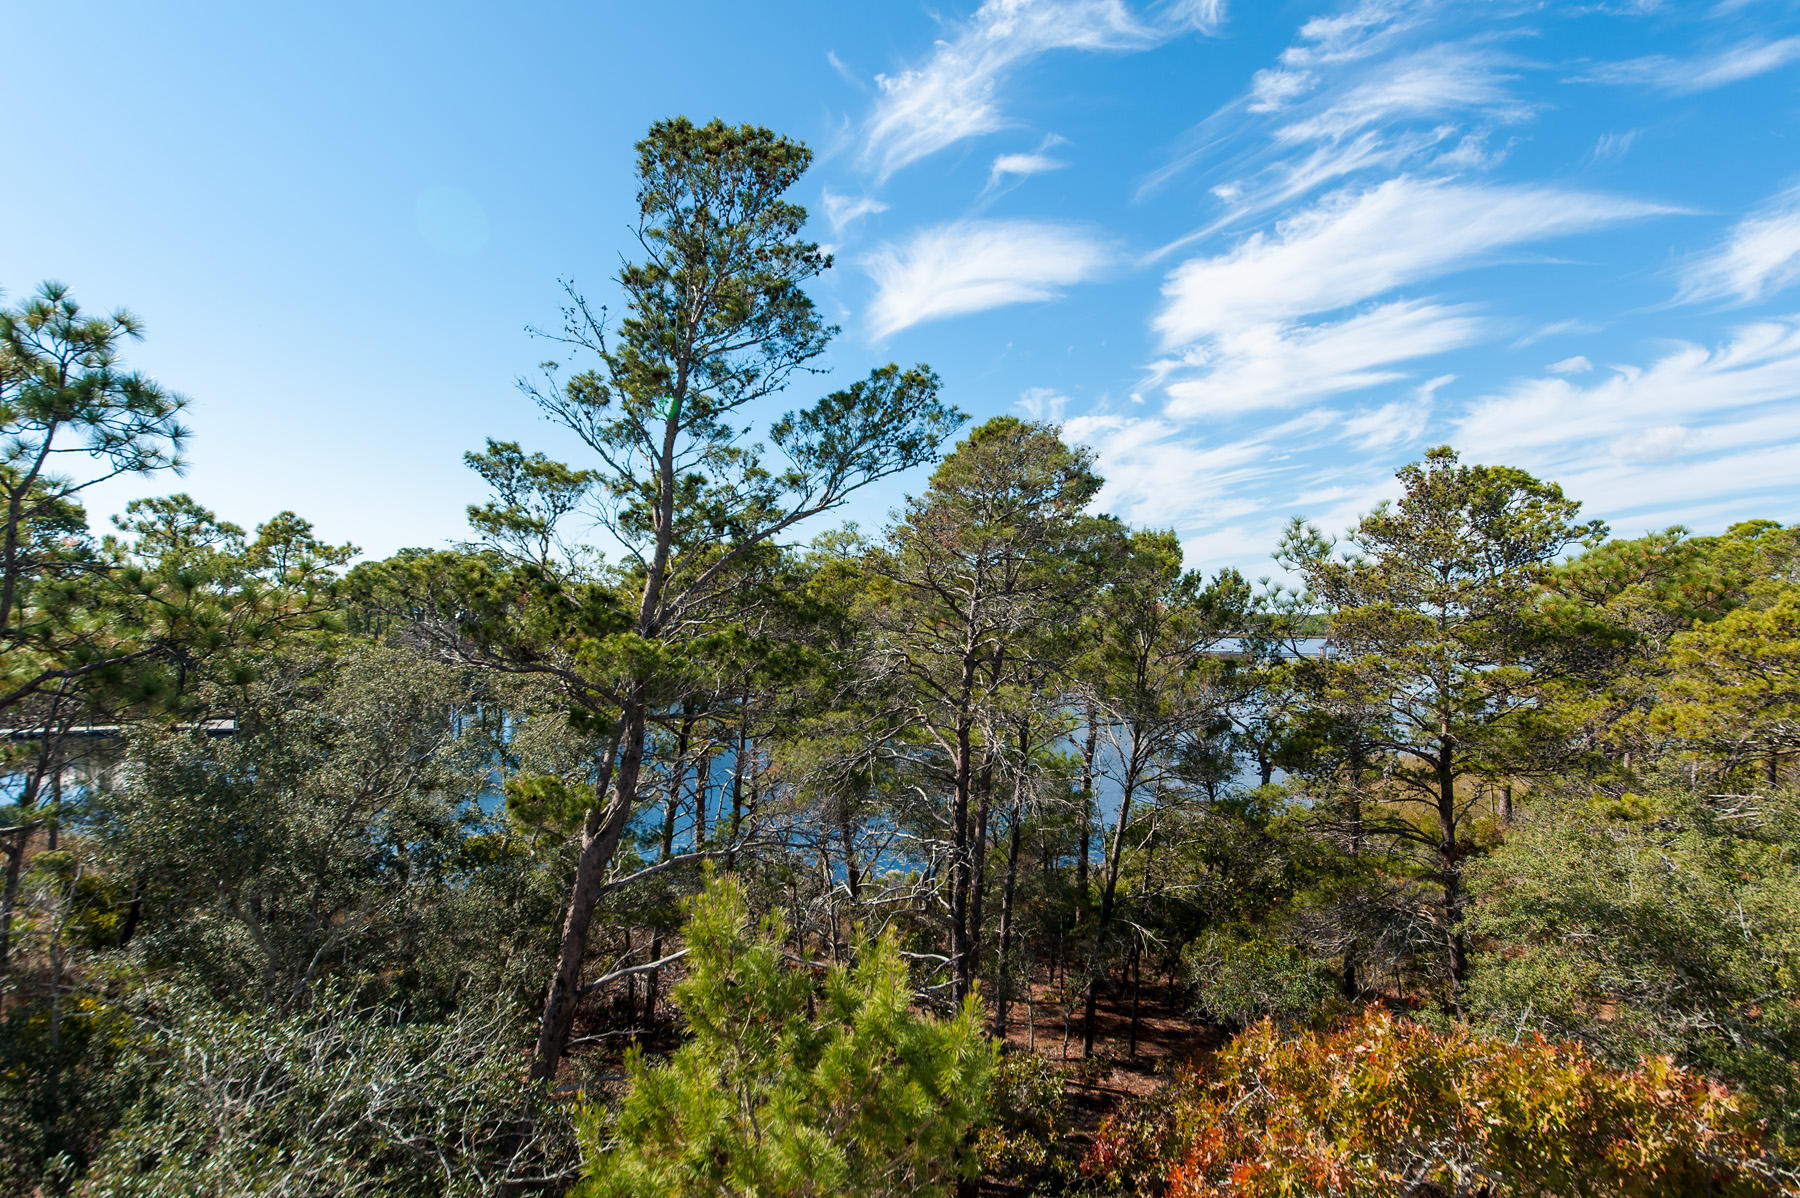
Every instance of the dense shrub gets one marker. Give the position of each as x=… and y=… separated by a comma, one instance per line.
x=1383, y=1106
x=335, y=1100
x=1607, y=924
x=62, y=1089
x=1028, y=1119
x=1237, y=981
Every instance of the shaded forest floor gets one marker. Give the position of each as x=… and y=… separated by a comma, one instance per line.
x=1167, y=1036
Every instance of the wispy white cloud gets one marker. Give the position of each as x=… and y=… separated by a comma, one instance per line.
x=1353, y=94
x=842, y=210
x=1746, y=60
x=1760, y=256
x=1158, y=477
x=1429, y=83
x=1021, y=166
x=1204, y=16
x=955, y=94
x=1356, y=245
x=1292, y=177
x=970, y=266
x=1364, y=29
x=1690, y=399
x=1400, y=422
x=1273, y=88
x=1558, y=328
x=844, y=72
x=1613, y=144
x=1300, y=364
x=1043, y=403
x=1275, y=366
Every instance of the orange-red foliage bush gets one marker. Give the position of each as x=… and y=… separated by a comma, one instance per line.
x=1384, y=1106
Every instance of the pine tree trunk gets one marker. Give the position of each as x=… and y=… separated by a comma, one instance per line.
x=600, y=841
x=9, y=895
x=960, y=853
x=1137, y=941
x=1347, y=980
x=737, y=780
x=1137, y=987
x=702, y=780
x=1003, y=980
x=978, y=876
x=1450, y=870
x=18, y=842
x=1087, y=803
x=671, y=806
x=847, y=841
x=1108, y=894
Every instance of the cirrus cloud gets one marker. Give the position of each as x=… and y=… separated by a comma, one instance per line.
x=1354, y=245
x=1760, y=256
x=969, y=266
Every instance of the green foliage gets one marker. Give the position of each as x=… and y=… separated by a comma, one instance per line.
x=275, y=938
x=1735, y=688
x=1385, y=1108
x=546, y=801
x=121, y=621
x=68, y=1074
x=1444, y=651
x=717, y=317
x=867, y=1098
x=532, y=496
x=1670, y=925
x=334, y=1099
x=1027, y=1124
x=1238, y=981
x=335, y=833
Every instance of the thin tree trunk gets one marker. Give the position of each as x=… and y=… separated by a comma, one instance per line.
x=737, y=780
x=133, y=909
x=1450, y=870
x=631, y=1007
x=18, y=842
x=1086, y=845
x=1137, y=986
x=702, y=780
x=847, y=841
x=1108, y=893
x=599, y=842
x=15, y=863
x=978, y=877
x=1030, y=1011
x=960, y=849
x=1137, y=940
x=52, y=827
x=671, y=807
x=1003, y=981
x=1347, y=979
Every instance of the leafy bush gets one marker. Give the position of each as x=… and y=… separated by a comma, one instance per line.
x=868, y=1097
x=1028, y=1119
x=1237, y=982
x=1382, y=1106
x=334, y=1100
x=62, y=1089
x=1668, y=923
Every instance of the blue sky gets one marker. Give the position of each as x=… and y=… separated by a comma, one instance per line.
x=1257, y=254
